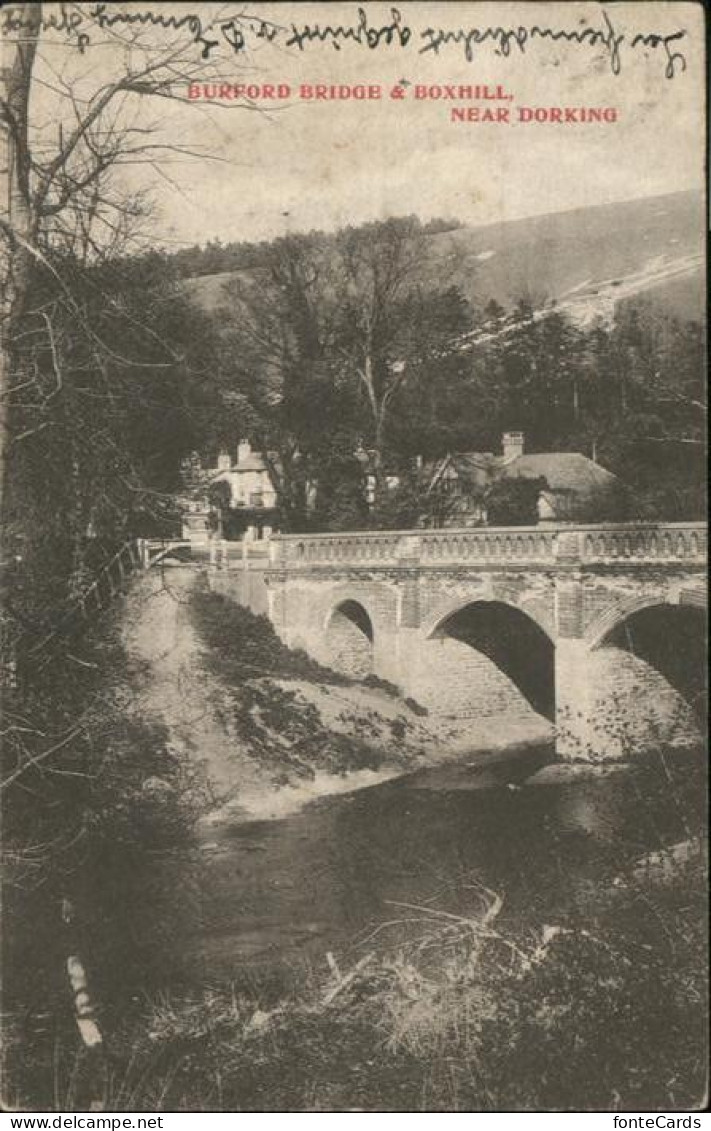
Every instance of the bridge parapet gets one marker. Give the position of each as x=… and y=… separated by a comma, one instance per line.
x=295, y=550
x=526, y=545
x=674, y=542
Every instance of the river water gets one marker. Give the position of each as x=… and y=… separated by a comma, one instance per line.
x=265, y=901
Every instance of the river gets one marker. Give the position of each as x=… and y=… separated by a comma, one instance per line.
x=265, y=901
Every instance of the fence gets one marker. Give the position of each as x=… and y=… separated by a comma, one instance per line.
x=26, y=649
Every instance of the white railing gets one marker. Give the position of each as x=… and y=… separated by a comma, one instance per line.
x=543, y=546
x=214, y=552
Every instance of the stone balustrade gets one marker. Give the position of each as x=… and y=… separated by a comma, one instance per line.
x=668, y=542
x=536, y=545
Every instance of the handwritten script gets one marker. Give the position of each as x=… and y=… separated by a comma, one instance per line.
x=238, y=33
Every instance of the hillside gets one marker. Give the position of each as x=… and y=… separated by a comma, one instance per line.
x=586, y=260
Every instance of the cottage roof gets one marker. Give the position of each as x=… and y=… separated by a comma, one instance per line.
x=563, y=471
x=253, y=462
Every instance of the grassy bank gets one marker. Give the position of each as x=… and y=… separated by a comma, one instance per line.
x=606, y=1012
x=264, y=700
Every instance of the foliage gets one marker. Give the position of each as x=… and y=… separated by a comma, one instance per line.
x=84, y=754
x=359, y=325
x=339, y=497
x=345, y=323
x=244, y=645
x=513, y=502
x=285, y=733
x=109, y=404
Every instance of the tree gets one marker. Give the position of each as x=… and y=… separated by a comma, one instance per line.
x=219, y=497
x=352, y=324
x=277, y=326
x=66, y=194
x=645, y=409
x=390, y=318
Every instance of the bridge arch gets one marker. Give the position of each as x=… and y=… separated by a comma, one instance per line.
x=647, y=672
x=349, y=638
x=665, y=645
x=622, y=609
x=485, y=657
x=527, y=606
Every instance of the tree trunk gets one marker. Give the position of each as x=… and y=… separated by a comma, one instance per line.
x=19, y=222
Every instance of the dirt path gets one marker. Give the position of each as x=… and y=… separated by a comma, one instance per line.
x=159, y=633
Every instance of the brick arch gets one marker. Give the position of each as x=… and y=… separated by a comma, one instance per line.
x=620, y=609
x=449, y=609
x=646, y=668
x=488, y=657
x=378, y=600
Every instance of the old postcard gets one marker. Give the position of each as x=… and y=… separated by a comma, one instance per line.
x=353, y=566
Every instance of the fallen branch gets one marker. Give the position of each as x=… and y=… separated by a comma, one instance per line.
x=346, y=981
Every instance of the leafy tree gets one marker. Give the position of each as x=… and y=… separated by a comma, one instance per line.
x=394, y=324
x=277, y=365
x=328, y=336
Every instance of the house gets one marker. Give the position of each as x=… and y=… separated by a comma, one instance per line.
x=572, y=487
x=250, y=500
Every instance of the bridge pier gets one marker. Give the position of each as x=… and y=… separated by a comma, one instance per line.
x=575, y=736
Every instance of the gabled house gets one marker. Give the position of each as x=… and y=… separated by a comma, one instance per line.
x=249, y=497
x=572, y=487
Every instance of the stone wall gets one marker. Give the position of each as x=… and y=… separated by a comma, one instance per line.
x=348, y=645
x=631, y=705
x=247, y=588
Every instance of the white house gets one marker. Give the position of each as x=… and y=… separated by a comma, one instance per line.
x=252, y=497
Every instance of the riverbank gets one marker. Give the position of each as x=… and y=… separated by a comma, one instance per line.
x=271, y=728
x=467, y=1015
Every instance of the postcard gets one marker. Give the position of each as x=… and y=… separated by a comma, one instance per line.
x=353, y=566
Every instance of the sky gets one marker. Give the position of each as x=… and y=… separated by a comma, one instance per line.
x=290, y=165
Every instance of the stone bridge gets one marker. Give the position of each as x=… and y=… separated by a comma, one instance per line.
x=600, y=629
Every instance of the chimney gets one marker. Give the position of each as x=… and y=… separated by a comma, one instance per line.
x=244, y=450
x=224, y=462
x=512, y=444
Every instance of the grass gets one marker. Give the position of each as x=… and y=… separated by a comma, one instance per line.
x=243, y=645
x=277, y=725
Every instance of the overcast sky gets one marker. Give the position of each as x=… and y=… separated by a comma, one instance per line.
x=301, y=165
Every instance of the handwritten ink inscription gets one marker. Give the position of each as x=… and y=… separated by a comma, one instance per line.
x=238, y=32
